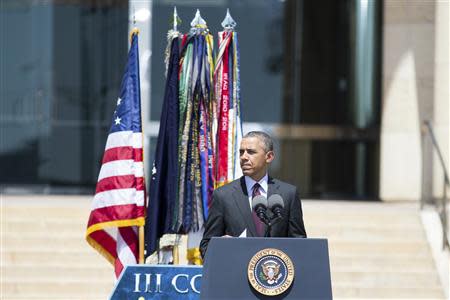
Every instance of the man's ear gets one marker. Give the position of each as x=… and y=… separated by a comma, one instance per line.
x=270, y=156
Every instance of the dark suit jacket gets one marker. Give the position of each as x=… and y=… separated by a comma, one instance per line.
x=230, y=213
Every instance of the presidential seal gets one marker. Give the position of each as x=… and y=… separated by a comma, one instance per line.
x=270, y=272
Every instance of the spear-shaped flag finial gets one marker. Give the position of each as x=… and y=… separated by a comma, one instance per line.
x=228, y=23
x=198, y=21
x=175, y=19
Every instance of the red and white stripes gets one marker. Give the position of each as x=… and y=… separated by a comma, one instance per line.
x=119, y=201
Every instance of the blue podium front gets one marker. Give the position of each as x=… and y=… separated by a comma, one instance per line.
x=142, y=282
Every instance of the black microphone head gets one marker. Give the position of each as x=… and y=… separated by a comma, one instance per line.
x=275, y=200
x=259, y=201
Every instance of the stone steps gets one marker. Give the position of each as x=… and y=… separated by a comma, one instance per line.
x=350, y=292
x=74, y=230
x=56, y=226
x=54, y=273
x=60, y=275
x=386, y=279
x=67, y=289
x=400, y=263
x=377, y=250
x=373, y=246
x=381, y=264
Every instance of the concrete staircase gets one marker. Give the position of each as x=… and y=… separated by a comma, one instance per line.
x=377, y=250
x=44, y=254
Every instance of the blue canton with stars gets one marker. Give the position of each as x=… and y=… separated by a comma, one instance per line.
x=127, y=116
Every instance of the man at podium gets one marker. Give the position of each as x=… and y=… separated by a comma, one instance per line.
x=231, y=212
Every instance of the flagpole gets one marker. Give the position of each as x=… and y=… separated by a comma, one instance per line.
x=141, y=245
x=141, y=228
x=175, y=249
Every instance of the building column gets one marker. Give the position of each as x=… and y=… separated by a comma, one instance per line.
x=441, y=121
x=407, y=98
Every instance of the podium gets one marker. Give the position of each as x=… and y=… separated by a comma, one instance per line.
x=252, y=268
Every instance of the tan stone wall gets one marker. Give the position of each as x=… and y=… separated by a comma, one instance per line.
x=408, y=93
x=441, y=93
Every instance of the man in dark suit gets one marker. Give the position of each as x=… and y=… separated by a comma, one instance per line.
x=231, y=214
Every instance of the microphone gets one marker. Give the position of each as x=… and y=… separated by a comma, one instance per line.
x=259, y=205
x=276, y=205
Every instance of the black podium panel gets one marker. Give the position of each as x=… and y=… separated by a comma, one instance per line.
x=227, y=259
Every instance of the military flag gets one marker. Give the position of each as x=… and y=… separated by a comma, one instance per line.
x=227, y=93
x=196, y=152
x=164, y=180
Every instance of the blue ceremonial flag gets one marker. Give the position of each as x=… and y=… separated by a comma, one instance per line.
x=164, y=180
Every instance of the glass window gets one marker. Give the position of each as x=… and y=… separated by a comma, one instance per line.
x=329, y=169
x=309, y=75
x=62, y=65
x=260, y=29
x=304, y=65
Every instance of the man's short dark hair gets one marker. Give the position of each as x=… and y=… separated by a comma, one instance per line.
x=262, y=136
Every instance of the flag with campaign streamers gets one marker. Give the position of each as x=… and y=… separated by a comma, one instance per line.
x=228, y=99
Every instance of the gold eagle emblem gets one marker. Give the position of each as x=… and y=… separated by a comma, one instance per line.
x=270, y=272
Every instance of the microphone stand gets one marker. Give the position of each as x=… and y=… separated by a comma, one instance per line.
x=270, y=222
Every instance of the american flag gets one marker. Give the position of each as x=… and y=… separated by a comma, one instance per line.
x=119, y=202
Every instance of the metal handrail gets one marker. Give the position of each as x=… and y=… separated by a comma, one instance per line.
x=441, y=207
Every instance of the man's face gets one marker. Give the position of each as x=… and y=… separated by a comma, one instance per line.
x=254, y=159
